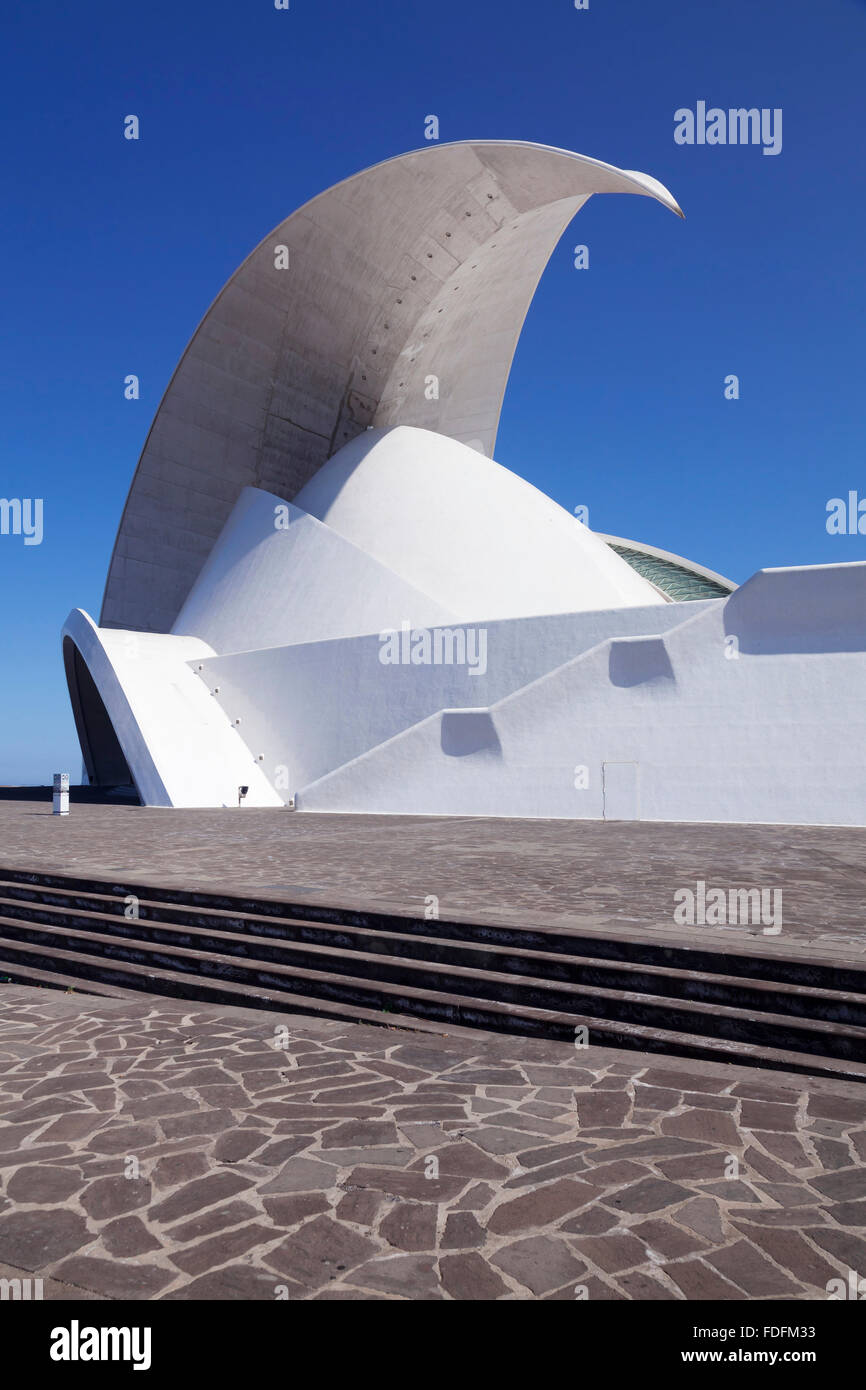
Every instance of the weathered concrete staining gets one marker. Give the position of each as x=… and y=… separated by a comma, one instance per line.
x=422, y=266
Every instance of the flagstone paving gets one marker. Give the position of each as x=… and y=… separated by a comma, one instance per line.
x=157, y=1149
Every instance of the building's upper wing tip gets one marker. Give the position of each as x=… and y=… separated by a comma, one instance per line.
x=632, y=180
x=655, y=189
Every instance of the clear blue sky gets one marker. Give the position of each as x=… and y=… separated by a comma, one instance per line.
x=112, y=251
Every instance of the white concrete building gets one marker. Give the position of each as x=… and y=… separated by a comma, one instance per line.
x=324, y=590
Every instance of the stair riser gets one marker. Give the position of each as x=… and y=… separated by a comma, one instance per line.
x=180, y=905
x=286, y=947
x=200, y=991
x=346, y=984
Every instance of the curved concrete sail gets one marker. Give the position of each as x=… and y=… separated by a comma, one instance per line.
x=396, y=297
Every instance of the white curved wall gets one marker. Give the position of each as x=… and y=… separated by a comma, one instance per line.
x=269, y=585
x=180, y=746
x=463, y=529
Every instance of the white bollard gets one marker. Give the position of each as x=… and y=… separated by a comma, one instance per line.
x=61, y=793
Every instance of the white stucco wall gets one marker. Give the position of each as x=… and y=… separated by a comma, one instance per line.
x=460, y=527
x=180, y=747
x=266, y=586
x=310, y=708
x=679, y=726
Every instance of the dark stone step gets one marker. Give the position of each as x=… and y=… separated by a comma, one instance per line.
x=371, y=981
x=25, y=963
x=341, y=949
x=621, y=948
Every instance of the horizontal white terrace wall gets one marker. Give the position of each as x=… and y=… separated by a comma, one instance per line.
x=311, y=708
x=689, y=726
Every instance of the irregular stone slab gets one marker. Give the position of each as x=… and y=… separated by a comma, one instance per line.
x=759, y=1115
x=385, y=1158
x=45, y=1184
x=205, y=1192
x=550, y=1153
x=34, y=1239
x=115, y=1196
x=592, y=1221
x=237, y=1144
x=210, y=1221
x=602, y=1108
x=465, y=1160
x=548, y=1171
x=701, y=1283
x=361, y=1134
x=651, y=1194
x=322, y=1249
x=703, y=1216
x=359, y=1208
x=849, y=1214
x=711, y=1126
x=408, y=1184
x=612, y=1252
x=291, y=1210
x=495, y=1140
x=237, y=1283
x=219, y=1249
x=848, y=1184
x=479, y=1196
x=127, y=1236
x=792, y=1252
x=123, y=1139
x=751, y=1271
x=644, y=1287
x=302, y=1175
x=179, y=1168
x=827, y=1107
x=668, y=1239
x=71, y=1127
x=541, y=1263
x=410, y=1226
x=113, y=1278
x=199, y=1122
x=541, y=1207
x=410, y=1276
x=462, y=1232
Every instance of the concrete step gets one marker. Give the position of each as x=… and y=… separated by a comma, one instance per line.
x=371, y=981
x=195, y=907
x=377, y=967
x=25, y=963
x=368, y=953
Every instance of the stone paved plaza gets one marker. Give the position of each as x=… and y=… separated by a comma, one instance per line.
x=593, y=875
x=156, y=1149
